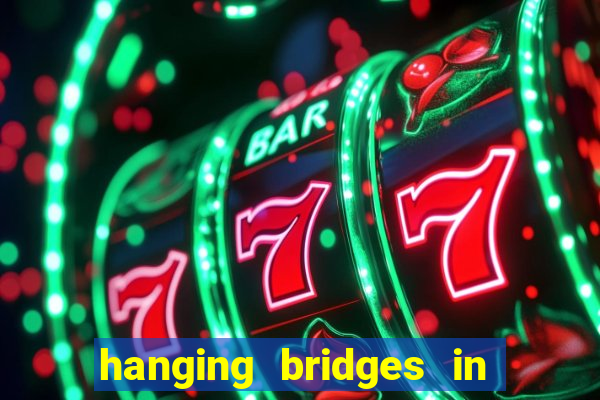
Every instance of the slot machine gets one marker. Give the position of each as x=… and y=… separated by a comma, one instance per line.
x=449, y=192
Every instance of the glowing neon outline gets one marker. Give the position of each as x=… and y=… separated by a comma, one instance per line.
x=276, y=240
x=457, y=218
x=143, y=304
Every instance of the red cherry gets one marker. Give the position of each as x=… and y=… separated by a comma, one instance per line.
x=423, y=71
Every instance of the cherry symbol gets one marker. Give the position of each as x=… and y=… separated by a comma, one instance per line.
x=423, y=71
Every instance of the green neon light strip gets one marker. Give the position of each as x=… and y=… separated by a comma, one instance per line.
x=122, y=178
x=123, y=61
x=360, y=113
x=240, y=11
x=209, y=232
x=539, y=128
x=53, y=256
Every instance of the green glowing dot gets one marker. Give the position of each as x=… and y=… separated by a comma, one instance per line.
x=77, y=313
x=56, y=172
x=146, y=395
x=87, y=123
x=585, y=290
x=543, y=166
x=597, y=177
x=554, y=202
x=73, y=393
x=52, y=261
x=135, y=235
x=83, y=53
x=102, y=232
x=531, y=94
x=54, y=213
x=71, y=95
x=165, y=72
x=32, y=321
x=241, y=11
x=209, y=178
x=219, y=142
x=104, y=9
x=567, y=242
x=62, y=135
x=582, y=49
x=327, y=238
x=56, y=304
x=62, y=352
x=9, y=253
x=535, y=125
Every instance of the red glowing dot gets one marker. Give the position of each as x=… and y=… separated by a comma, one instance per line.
x=43, y=363
x=2, y=92
x=582, y=147
x=346, y=59
x=420, y=8
x=292, y=158
x=337, y=28
x=123, y=118
x=293, y=83
x=268, y=89
x=330, y=126
x=8, y=158
x=388, y=123
x=427, y=322
x=379, y=132
x=146, y=83
x=44, y=126
x=13, y=134
x=594, y=151
x=519, y=140
x=561, y=105
x=31, y=281
x=192, y=393
x=594, y=228
x=351, y=40
x=142, y=119
x=369, y=218
x=45, y=90
x=4, y=66
x=367, y=188
x=34, y=168
x=512, y=340
x=10, y=290
x=515, y=364
x=204, y=334
x=556, y=49
x=198, y=6
x=446, y=122
x=217, y=7
x=531, y=292
x=527, y=233
x=386, y=313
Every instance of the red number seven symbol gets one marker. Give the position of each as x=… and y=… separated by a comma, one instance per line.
x=151, y=291
x=466, y=201
x=286, y=224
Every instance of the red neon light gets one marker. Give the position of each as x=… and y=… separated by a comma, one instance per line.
x=318, y=89
x=286, y=224
x=466, y=201
x=151, y=291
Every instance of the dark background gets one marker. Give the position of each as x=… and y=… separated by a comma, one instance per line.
x=230, y=58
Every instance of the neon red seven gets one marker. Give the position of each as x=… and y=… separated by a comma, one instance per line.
x=466, y=202
x=151, y=291
x=286, y=224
